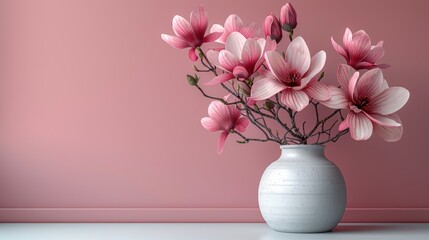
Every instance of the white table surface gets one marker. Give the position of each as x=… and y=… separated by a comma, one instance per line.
x=203, y=231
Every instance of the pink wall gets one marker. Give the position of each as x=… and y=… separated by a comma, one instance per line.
x=98, y=123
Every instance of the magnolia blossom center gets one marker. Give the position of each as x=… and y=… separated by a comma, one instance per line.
x=293, y=79
x=359, y=105
x=197, y=42
x=362, y=102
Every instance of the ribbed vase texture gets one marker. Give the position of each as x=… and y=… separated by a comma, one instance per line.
x=302, y=191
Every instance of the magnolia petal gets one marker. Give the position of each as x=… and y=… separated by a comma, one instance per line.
x=221, y=142
x=390, y=100
x=235, y=43
x=212, y=37
x=276, y=64
x=347, y=37
x=365, y=65
x=340, y=50
x=242, y=124
x=175, y=42
x=390, y=134
x=269, y=44
x=294, y=99
x=370, y=84
x=374, y=54
x=250, y=31
x=268, y=23
x=228, y=61
x=352, y=85
x=298, y=55
x=343, y=125
x=199, y=21
x=240, y=73
x=264, y=44
x=359, y=47
x=379, y=44
x=265, y=88
x=234, y=115
x=220, y=79
x=233, y=23
x=317, y=90
x=192, y=55
x=344, y=74
x=183, y=29
x=283, y=13
x=360, y=126
x=317, y=63
x=385, y=84
x=251, y=54
x=338, y=99
x=217, y=28
x=220, y=113
x=213, y=57
x=210, y=125
x=382, y=120
x=361, y=34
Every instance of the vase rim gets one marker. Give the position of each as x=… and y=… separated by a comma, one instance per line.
x=301, y=146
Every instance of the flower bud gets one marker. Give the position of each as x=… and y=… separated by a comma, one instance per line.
x=268, y=105
x=272, y=28
x=288, y=17
x=192, y=80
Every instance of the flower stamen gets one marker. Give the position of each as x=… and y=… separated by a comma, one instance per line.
x=293, y=79
x=362, y=102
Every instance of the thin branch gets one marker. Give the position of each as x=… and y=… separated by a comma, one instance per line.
x=335, y=138
x=216, y=98
x=246, y=139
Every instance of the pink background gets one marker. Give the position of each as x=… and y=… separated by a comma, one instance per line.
x=96, y=114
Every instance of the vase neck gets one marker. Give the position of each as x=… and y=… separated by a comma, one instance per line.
x=300, y=151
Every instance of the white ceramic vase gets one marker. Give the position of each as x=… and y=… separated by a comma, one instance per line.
x=302, y=191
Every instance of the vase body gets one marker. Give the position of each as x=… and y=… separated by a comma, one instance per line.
x=302, y=191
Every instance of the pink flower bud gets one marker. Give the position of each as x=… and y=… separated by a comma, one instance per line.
x=272, y=28
x=288, y=17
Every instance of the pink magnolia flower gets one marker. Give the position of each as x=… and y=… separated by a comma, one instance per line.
x=288, y=17
x=224, y=118
x=241, y=57
x=358, y=51
x=190, y=35
x=292, y=77
x=371, y=103
x=272, y=28
x=234, y=24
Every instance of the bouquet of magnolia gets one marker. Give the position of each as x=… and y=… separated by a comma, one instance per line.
x=266, y=86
